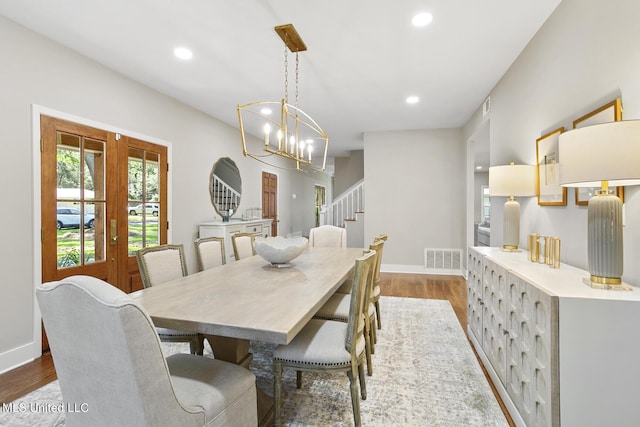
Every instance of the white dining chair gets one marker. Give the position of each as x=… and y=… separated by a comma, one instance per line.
x=243, y=245
x=345, y=288
x=210, y=252
x=337, y=308
x=108, y=358
x=328, y=236
x=330, y=346
x=375, y=292
x=159, y=264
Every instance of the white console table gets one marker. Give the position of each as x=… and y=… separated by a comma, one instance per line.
x=559, y=352
x=259, y=227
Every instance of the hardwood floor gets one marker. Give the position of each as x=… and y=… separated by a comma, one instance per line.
x=23, y=380
x=31, y=376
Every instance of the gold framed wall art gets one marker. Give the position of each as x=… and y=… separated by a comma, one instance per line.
x=550, y=192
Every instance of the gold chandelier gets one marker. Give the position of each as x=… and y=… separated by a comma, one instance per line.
x=293, y=135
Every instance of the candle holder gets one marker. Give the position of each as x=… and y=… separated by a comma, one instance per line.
x=544, y=250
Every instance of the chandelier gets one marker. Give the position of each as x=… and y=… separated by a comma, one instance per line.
x=288, y=131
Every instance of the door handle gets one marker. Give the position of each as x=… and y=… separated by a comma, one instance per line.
x=113, y=231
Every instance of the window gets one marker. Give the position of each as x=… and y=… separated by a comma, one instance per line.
x=486, y=204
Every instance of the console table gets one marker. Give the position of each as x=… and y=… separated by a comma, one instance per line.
x=258, y=227
x=558, y=351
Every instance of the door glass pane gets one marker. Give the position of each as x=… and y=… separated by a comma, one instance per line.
x=144, y=199
x=80, y=182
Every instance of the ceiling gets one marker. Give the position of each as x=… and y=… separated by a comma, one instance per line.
x=364, y=57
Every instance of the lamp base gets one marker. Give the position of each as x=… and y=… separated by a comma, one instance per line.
x=607, y=286
x=604, y=238
x=606, y=280
x=511, y=229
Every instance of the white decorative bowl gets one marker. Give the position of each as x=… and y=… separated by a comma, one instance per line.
x=279, y=250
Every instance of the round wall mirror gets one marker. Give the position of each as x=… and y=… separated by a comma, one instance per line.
x=225, y=187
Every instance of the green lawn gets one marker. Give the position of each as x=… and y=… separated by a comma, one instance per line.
x=69, y=241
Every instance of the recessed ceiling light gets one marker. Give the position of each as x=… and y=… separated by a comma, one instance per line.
x=478, y=167
x=183, y=53
x=413, y=99
x=422, y=19
x=266, y=111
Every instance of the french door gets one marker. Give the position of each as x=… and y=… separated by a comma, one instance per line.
x=103, y=197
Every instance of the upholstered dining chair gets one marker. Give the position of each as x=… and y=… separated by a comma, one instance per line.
x=337, y=308
x=345, y=288
x=375, y=292
x=243, y=245
x=330, y=346
x=210, y=252
x=109, y=358
x=159, y=264
x=328, y=236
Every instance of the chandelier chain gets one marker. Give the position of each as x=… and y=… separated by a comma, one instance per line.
x=297, y=77
x=286, y=73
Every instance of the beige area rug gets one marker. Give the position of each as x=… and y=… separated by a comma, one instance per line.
x=425, y=374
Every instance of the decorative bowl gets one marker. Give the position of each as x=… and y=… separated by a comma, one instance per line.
x=279, y=250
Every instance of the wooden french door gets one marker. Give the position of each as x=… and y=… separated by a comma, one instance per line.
x=142, y=196
x=103, y=197
x=270, y=200
x=76, y=194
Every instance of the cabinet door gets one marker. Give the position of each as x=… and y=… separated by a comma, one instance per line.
x=494, y=288
x=532, y=353
x=474, y=294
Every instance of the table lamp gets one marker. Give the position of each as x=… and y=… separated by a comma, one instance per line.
x=511, y=181
x=602, y=155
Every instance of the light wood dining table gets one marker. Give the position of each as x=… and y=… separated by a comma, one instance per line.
x=249, y=300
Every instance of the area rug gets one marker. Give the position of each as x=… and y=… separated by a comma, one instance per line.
x=425, y=374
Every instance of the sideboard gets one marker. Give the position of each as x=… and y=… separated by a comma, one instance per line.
x=559, y=352
x=258, y=227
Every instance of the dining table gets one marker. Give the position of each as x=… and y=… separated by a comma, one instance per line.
x=249, y=300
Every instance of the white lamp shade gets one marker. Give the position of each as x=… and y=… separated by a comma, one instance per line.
x=512, y=180
x=604, y=152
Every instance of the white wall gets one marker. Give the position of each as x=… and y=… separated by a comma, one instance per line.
x=416, y=195
x=36, y=71
x=348, y=171
x=584, y=56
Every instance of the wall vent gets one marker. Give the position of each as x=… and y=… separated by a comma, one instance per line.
x=443, y=261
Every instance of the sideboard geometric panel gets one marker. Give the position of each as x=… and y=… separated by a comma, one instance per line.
x=559, y=353
x=532, y=353
x=494, y=294
x=474, y=294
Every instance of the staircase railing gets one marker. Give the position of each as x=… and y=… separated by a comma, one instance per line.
x=224, y=196
x=346, y=205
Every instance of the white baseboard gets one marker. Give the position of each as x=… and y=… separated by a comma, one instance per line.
x=418, y=269
x=16, y=357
